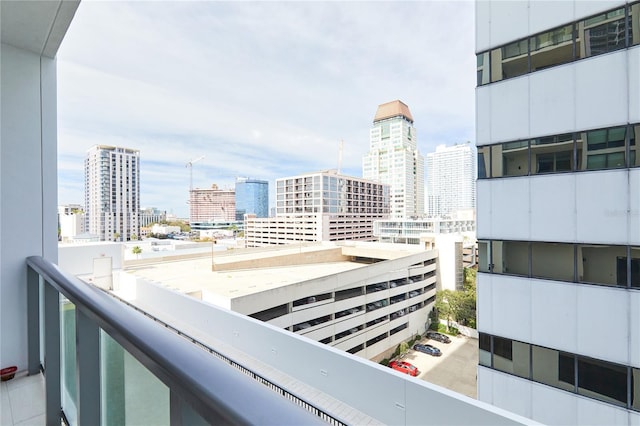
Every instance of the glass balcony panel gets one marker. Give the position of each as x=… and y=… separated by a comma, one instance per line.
x=484, y=154
x=553, y=154
x=510, y=61
x=553, y=368
x=510, y=159
x=604, y=33
x=68, y=378
x=590, y=381
x=131, y=394
x=483, y=63
x=552, y=260
x=510, y=257
x=635, y=23
x=552, y=48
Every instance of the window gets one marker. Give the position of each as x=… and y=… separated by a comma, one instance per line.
x=602, y=264
x=484, y=154
x=510, y=159
x=552, y=48
x=552, y=260
x=552, y=154
x=553, y=368
x=510, y=257
x=484, y=348
x=590, y=380
x=604, y=33
x=510, y=61
x=483, y=68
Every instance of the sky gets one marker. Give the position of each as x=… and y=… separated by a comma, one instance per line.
x=260, y=89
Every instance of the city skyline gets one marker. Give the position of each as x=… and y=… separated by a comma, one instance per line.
x=181, y=80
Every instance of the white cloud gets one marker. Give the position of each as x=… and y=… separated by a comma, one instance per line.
x=263, y=89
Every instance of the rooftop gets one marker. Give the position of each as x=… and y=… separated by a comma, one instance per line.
x=236, y=275
x=393, y=109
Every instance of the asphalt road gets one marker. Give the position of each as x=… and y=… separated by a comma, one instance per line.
x=456, y=369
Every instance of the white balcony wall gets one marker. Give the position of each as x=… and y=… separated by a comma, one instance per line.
x=602, y=206
x=546, y=404
x=557, y=223
x=634, y=84
x=509, y=108
x=355, y=381
x=595, y=207
x=28, y=186
x=552, y=101
x=602, y=98
x=569, y=321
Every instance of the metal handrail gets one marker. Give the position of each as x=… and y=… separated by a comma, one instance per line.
x=249, y=372
x=218, y=393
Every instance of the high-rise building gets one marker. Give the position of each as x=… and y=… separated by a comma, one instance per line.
x=212, y=205
x=252, y=197
x=393, y=159
x=558, y=114
x=112, y=192
x=321, y=206
x=451, y=181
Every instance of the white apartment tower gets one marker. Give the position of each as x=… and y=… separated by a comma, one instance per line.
x=393, y=159
x=558, y=217
x=112, y=192
x=451, y=181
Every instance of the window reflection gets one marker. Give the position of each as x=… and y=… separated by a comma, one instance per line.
x=605, y=148
x=603, y=33
x=483, y=67
x=554, y=47
x=510, y=159
x=484, y=155
x=510, y=61
x=552, y=154
x=606, y=32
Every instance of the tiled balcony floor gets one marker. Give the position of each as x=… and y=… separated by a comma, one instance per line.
x=22, y=400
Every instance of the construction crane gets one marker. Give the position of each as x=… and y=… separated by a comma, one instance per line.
x=190, y=166
x=340, y=148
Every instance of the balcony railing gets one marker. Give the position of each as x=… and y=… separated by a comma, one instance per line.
x=103, y=360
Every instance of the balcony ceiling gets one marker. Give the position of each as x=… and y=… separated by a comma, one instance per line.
x=37, y=26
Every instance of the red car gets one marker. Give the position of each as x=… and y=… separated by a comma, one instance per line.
x=404, y=367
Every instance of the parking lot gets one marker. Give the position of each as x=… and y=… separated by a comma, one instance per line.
x=456, y=369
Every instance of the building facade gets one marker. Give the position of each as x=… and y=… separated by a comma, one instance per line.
x=112, y=192
x=558, y=113
x=364, y=298
x=451, y=180
x=322, y=206
x=252, y=197
x=212, y=205
x=151, y=215
x=393, y=159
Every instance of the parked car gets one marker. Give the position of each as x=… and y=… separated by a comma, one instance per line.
x=427, y=349
x=404, y=367
x=438, y=337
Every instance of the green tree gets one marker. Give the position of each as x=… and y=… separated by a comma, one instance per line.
x=404, y=348
x=134, y=237
x=116, y=236
x=136, y=250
